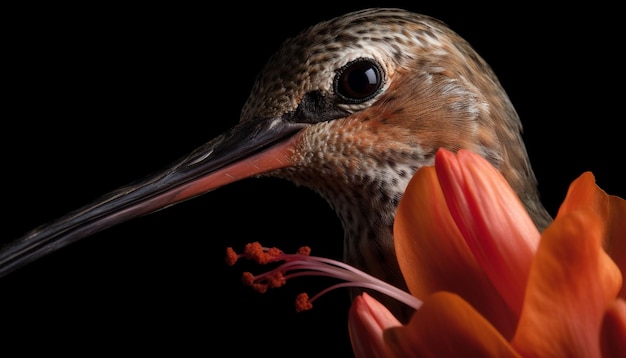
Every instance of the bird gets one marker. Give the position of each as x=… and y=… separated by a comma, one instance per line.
x=350, y=108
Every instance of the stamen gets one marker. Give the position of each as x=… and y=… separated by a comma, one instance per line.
x=231, y=256
x=303, y=303
x=304, y=250
x=254, y=251
x=302, y=264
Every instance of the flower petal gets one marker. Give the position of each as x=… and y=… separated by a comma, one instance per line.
x=433, y=256
x=447, y=326
x=615, y=243
x=367, y=319
x=492, y=219
x=613, y=337
x=583, y=192
x=571, y=284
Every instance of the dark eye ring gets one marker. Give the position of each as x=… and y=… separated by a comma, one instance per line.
x=359, y=80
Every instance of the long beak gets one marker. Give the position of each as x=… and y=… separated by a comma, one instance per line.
x=248, y=149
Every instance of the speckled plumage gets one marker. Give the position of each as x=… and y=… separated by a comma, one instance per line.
x=437, y=92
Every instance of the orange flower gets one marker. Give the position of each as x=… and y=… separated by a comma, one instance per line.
x=491, y=284
x=482, y=280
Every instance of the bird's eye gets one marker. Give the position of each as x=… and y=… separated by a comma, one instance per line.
x=359, y=80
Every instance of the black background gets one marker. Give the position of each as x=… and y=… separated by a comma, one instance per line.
x=96, y=97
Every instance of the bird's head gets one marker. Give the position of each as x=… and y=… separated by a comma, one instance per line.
x=376, y=93
x=351, y=108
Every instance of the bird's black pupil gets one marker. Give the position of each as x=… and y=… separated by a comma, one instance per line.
x=359, y=80
x=362, y=81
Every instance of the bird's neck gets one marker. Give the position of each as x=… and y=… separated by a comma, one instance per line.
x=366, y=205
